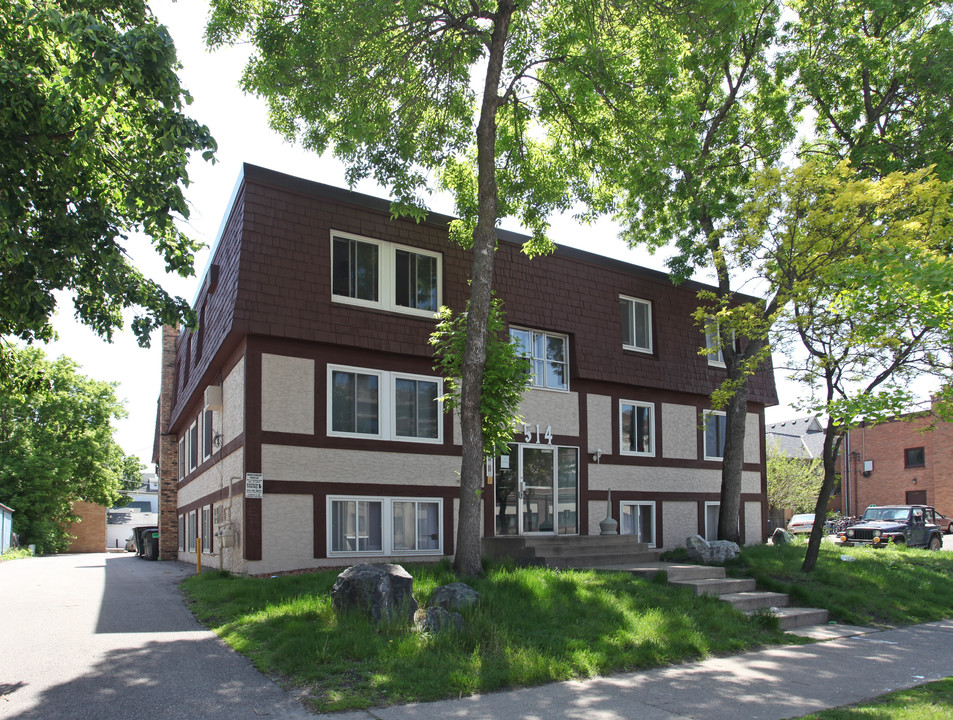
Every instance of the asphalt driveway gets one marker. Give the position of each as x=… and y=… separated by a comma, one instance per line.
x=108, y=636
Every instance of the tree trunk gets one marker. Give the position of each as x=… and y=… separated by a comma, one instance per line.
x=832, y=441
x=468, y=558
x=729, y=511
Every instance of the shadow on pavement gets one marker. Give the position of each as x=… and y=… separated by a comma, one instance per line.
x=187, y=679
x=143, y=596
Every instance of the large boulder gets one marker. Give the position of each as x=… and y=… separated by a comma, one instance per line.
x=382, y=592
x=714, y=552
x=781, y=537
x=455, y=596
x=438, y=619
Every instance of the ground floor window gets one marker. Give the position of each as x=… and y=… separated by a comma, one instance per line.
x=711, y=520
x=182, y=533
x=385, y=525
x=190, y=531
x=537, y=490
x=207, y=529
x=638, y=519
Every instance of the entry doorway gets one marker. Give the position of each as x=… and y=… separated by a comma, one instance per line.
x=536, y=491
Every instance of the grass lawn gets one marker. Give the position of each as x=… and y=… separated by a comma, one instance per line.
x=885, y=587
x=538, y=625
x=532, y=626
x=933, y=701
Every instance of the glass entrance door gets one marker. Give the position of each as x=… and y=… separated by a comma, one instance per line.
x=536, y=491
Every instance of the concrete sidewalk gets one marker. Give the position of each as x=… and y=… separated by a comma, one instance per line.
x=780, y=682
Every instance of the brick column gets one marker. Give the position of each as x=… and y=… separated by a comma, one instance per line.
x=168, y=465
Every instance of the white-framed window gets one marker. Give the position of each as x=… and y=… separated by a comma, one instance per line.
x=182, y=457
x=715, y=343
x=714, y=423
x=181, y=533
x=711, y=520
x=636, y=323
x=193, y=446
x=548, y=354
x=379, y=274
x=385, y=405
x=208, y=430
x=206, y=528
x=384, y=525
x=191, y=531
x=638, y=519
x=637, y=428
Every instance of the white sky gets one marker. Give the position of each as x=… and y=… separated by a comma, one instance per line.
x=239, y=124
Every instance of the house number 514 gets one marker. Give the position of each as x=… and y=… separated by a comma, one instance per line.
x=546, y=436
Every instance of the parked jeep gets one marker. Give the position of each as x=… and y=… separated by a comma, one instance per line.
x=913, y=525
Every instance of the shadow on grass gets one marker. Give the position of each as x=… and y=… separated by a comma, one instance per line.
x=886, y=587
x=531, y=626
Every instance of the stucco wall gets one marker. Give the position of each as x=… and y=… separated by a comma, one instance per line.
x=280, y=462
x=599, y=413
x=753, y=439
x=233, y=403
x=648, y=478
x=287, y=394
x=679, y=432
x=681, y=521
x=548, y=407
x=753, y=523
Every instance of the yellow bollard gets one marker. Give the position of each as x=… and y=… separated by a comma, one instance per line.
x=198, y=554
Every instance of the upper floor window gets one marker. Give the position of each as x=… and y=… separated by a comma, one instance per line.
x=208, y=433
x=384, y=405
x=637, y=427
x=379, y=274
x=715, y=343
x=636, y=324
x=714, y=424
x=914, y=457
x=548, y=355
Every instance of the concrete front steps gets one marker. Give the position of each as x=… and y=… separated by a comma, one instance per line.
x=581, y=551
x=740, y=593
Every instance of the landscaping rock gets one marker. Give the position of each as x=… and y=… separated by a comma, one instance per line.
x=781, y=537
x=454, y=596
x=714, y=552
x=438, y=620
x=383, y=592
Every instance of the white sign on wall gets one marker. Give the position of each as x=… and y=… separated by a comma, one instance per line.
x=254, y=485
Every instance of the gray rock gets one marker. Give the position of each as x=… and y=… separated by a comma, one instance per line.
x=714, y=552
x=454, y=596
x=439, y=620
x=781, y=537
x=382, y=592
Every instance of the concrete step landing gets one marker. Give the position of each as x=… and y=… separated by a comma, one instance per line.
x=716, y=586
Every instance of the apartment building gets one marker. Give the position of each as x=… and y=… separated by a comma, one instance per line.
x=300, y=424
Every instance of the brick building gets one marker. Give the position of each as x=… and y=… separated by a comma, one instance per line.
x=905, y=461
x=299, y=424
x=89, y=532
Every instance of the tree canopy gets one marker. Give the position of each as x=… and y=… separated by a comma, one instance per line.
x=57, y=446
x=93, y=147
x=867, y=274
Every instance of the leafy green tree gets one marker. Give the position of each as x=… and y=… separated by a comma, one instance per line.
x=504, y=376
x=57, y=446
x=674, y=138
x=403, y=91
x=877, y=76
x=793, y=482
x=870, y=300
x=93, y=146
